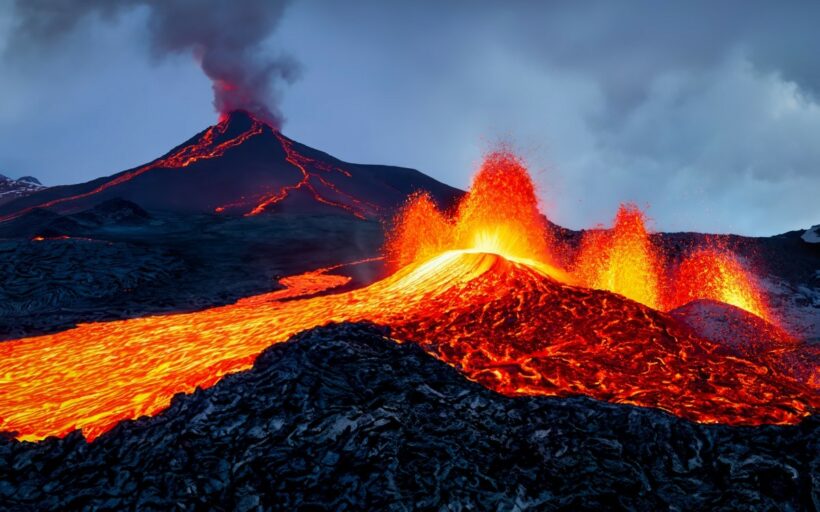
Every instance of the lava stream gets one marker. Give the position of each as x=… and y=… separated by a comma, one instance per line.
x=479, y=288
x=301, y=162
x=503, y=323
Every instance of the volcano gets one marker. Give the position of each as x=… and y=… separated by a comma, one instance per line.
x=477, y=289
x=242, y=166
x=480, y=286
x=484, y=286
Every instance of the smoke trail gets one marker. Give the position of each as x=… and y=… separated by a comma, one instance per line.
x=225, y=37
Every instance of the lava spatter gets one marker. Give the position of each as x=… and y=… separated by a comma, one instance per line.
x=716, y=274
x=622, y=259
x=498, y=215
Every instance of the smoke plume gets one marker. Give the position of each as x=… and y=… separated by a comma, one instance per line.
x=225, y=38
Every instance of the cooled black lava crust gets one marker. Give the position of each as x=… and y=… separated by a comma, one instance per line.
x=343, y=418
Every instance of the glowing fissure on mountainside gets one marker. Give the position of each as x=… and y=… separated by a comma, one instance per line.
x=358, y=208
x=205, y=148
x=480, y=288
x=213, y=144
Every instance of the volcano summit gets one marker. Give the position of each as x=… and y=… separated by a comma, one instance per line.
x=242, y=166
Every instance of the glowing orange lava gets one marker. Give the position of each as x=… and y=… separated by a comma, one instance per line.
x=622, y=260
x=625, y=261
x=498, y=215
x=716, y=274
x=485, y=298
x=421, y=232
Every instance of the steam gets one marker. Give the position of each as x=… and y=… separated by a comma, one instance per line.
x=224, y=37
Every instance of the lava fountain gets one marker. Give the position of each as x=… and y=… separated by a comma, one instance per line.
x=478, y=288
x=499, y=215
x=622, y=260
x=715, y=273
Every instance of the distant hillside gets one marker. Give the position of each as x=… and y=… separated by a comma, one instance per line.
x=11, y=189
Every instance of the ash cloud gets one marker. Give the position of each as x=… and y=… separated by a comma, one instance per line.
x=224, y=37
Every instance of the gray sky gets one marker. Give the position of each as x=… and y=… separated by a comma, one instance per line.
x=707, y=113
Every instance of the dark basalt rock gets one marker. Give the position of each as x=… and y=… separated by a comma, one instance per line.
x=343, y=418
x=120, y=261
x=113, y=212
x=45, y=284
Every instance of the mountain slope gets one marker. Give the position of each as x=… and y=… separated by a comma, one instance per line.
x=243, y=167
x=11, y=189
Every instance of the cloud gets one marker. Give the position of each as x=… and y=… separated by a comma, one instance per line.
x=693, y=109
x=704, y=111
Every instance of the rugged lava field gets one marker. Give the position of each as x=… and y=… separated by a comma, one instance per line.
x=344, y=418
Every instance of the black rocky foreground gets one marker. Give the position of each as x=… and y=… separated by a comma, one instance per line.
x=343, y=418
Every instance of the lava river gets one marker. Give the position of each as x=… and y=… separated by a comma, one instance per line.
x=492, y=305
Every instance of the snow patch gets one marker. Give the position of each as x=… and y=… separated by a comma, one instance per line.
x=812, y=235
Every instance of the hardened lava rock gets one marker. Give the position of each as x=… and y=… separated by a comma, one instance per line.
x=344, y=418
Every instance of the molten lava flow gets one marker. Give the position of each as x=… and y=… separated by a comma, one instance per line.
x=519, y=332
x=312, y=182
x=503, y=323
x=97, y=374
x=210, y=145
x=622, y=260
x=481, y=295
x=716, y=274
